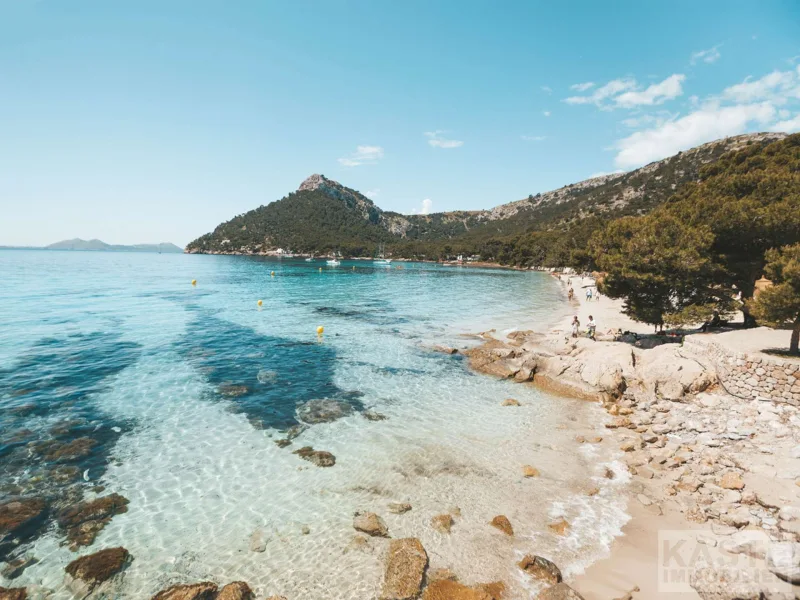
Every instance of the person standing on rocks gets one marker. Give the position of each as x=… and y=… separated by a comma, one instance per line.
x=576, y=326
x=591, y=328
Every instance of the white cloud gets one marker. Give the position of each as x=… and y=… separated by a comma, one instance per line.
x=424, y=209
x=775, y=86
x=364, y=155
x=582, y=87
x=656, y=120
x=709, y=123
x=436, y=140
x=547, y=89
x=626, y=93
x=709, y=56
x=533, y=138
x=658, y=93
x=546, y=113
x=789, y=125
x=372, y=194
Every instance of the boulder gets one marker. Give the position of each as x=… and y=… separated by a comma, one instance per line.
x=502, y=523
x=258, y=542
x=399, y=508
x=94, y=569
x=559, y=527
x=666, y=373
x=529, y=471
x=193, y=591
x=406, y=562
x=238, y=590
x=783, y=559
x=83, y=521
x=560, y=591
x=444, y=589
x=510, y=402
x=324, y=410
x=540, y=568
x=20, y=519
x=371, y=524
x=321, y=458
x=13, y=593
x=731, y=481
x=442, y=523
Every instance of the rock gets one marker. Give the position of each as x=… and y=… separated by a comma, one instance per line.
x=283, y=442
x=71, y=451
x=593, y=491
x=789, y=513
x=20, y=520
x=15, y=568
x=360, y=543
x=277, y=598
x=324, y=410
x=529, y=471
x=445, y=349
x=399, y=508
x=644, y=500
x=371, y=524
x=731, y=481
x=305, y=530
x=511, y=402
x=96, y=568
x=559, y=527
x=405, y=569
x=783, y=559
x=238, y=590
x=560, y=591
x=495, y=589
x=258, y=542
x=502, y=523
x=194, y=591
x=744, y=542
x=629, y=446
x=230, y=390
x=83, y=521
x=371, y=415
x=442, y=523
x=726, y=582
x=13, y=593
x=541, y=569
x=321, y=458
x=619, y=422
x=444, y=589
x=440, y=574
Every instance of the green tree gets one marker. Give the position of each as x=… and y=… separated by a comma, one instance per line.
x=779, y=305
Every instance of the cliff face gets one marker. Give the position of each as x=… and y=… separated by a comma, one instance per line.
x=324, y=215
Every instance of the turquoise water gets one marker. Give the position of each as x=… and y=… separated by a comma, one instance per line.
x=180, y=392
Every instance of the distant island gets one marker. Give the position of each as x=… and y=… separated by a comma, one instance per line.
x=101, y=246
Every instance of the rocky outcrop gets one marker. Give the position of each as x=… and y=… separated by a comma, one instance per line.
x=194, y=591
x=16, y=567
x=371, y=524
x=444, y=589
x=321, y=458
x=502, y=523
x=13, y=593
x=238, y=590
x=83, y=521
x=406, y=563
x=540, y=568
x=20, y=520
x=96, y=568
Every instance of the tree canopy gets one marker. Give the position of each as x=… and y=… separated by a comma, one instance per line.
x=779, y=305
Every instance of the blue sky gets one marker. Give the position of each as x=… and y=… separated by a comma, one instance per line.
x=154, y=121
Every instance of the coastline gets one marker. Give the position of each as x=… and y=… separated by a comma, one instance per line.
x=720, y=471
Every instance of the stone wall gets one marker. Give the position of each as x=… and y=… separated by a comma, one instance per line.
x=748, y=375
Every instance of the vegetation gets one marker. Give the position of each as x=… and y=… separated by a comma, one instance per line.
x=779, y=305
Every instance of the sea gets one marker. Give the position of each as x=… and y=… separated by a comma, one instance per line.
x=194, y=396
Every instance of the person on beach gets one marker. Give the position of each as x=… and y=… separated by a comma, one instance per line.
x=588, y=294
x=591, y=328
x=570, y=293
x=576, y=326
x=596, y=296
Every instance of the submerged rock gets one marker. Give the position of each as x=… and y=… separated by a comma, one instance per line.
x=13, y=593
x=442, y=523
x=230, y=390
x=445, y=589
x=559, y=527
x=96, y=568
x=399, y=508
x=371, y=415
x=20, y=520
x=83, y=521
x=66, y=452
x=540, y=568
x=405, y=569
x=238, y=590
x=560, y=591
x=258, y=542
x=194, y=591
x=502, y=523
x=324, y=410
x=511, y=402
x=371, y=524
x=321, y=458
x=15, y=568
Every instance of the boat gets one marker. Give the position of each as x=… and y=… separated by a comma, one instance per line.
x=309, y=259
x=381, y=259
x=333, y=262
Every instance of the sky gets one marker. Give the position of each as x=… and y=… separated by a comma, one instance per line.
x=153, y=121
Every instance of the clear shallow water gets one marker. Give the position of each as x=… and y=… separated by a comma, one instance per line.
x=183, y=391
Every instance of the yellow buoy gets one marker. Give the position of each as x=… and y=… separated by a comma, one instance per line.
x=320, y=330
x=272, y=273
x=320, y=269
x=194, y=281
x=260, y=303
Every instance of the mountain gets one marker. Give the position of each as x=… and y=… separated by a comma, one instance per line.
x=98, y=245
x=323, y=215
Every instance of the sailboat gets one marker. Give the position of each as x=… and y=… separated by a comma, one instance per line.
x=381, y=259
x=334, y=262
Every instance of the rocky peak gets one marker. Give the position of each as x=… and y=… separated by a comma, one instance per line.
x=316, y=181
